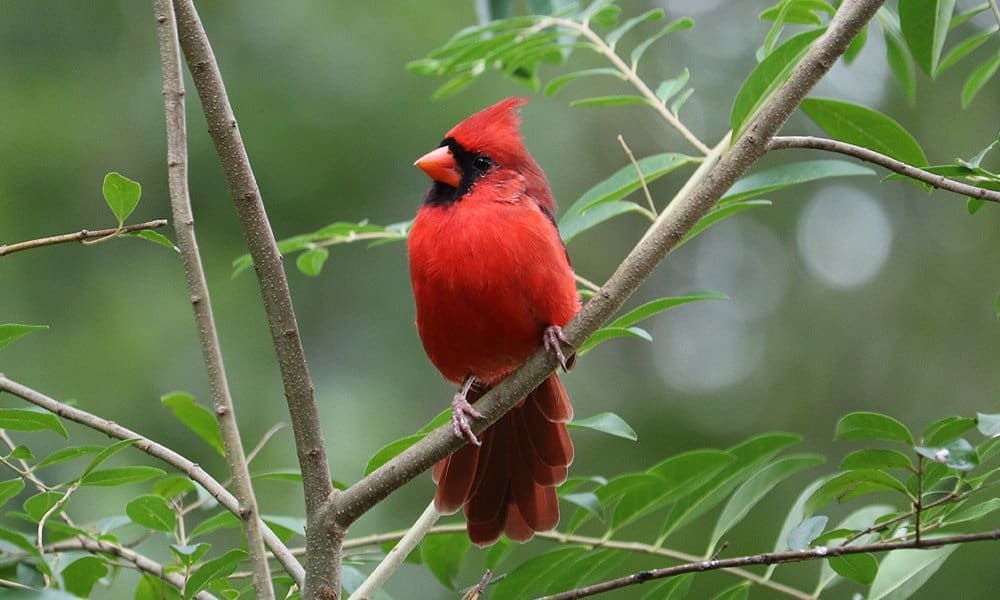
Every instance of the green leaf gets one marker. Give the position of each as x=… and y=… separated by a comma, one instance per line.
x=640, y=48
x=965, y=15
x=157, y=238
x=924, y=24
x=606, y=422
x=903, y=572
x=900, y=63
x=860, y=125
x=573, y=574
x=532, y=574
x=872, y=426
x=9, y=489
x=657, y=306
x=805, y=532
x=966, y=47
x=767, y=77
x=988, y=424
x=311, y=261
x=861, y=568
x=572, y=225
x=974, y=512
x=107, y=453
x=609, y=101
x=212, y=570
x=857, y=44
x=200, y=420
x=607, y=333
x=21, y=453
x=668, y=88
x=615, y=35
x=978, y=78
x=673, y=588
x=19, y=419
x=188, y=555
x=875, y=458
x=285, y=527
x=739, y=591
x=292, y=475
x=972, y=205
x=588, y=501
x=557, y=84
x=946, y=430
x=37, y=505
x=152, y=512
x=172, y=486
x=848, y=485
x=120, y=476
x=11, y=332
x=121, y=194
x=498, y=553
x=750, y=456
x=222, y=520
x=80, y=575
x=387, y=453
x=775, y=178
x=625, y=180
x=754, y=489
x=67, y=454
x=443, y=555
x=958, y=454
x=718, y=214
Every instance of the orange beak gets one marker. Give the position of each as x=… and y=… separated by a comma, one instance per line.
x=440, y=165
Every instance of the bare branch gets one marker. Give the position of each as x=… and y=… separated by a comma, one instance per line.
x=717, y=173
x=322, y=539
x=158, y=451
x=392, y=561
x=771, y=558
x=139, y=561
x=859, y=152
x=642, y=178
x=79, y=236
x=187, y=243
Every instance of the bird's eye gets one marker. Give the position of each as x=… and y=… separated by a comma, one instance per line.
x=482, y=163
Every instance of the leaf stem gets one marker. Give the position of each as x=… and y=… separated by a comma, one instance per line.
x=79, y=236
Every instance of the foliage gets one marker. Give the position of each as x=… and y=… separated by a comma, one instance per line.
x=900, y=486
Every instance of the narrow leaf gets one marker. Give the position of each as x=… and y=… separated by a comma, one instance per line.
x=666, y=90
x=559, y=82
x=718, y=214
x=608, y=333
x=157, y=238
x=900, y=63
x=946, y=430
x=978, y=78
x=222, y=520
x=572, y=225
x=903, y=572
x=121, y=194
x=775, y=178
x=860, y=125
x=609, y=101
x=872, y=426
x=67, y=454
x=606, y=422
x=805, y=532
x=121, y=475
x=624, y=181
x=875, y=458
x=640, y=49
x=195, y=417
x=9, y=489
x=616, y=34
x=861, y=568
x=19, y=419
x=212, y=570
x=531, y=574
x=443, y=555
x=657, y=306
x=966, y=47
x=11, y=332
x=674, y=588
x=388, y=452
x=924, y=24
x=844, y=485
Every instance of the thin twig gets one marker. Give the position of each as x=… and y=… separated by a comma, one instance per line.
x=385, y=569
x=322, y=537
x=139, y=561
x=918, y=506
x=78, y=236
x=719, y=170
x=201, y=302
x=264, y=439
x=770, y=558
x=158, y=451
x=995, y=7
x=859, y=152
x=590, y=285
x=642, y=178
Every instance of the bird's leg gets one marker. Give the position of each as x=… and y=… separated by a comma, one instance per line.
x=553, y=339
x=461, y=410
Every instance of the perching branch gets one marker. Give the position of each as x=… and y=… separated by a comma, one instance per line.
x=719, y=170
x=859, y=152
x=322, y=541
x=79, y=236
x=158, y=451
x=771, y=558
x=139, y=561
x=187, y=243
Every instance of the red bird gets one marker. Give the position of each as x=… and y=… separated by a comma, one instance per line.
x=492, y=281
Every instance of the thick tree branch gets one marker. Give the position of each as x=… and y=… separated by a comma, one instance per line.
x=79, y=236
x=187, y=243
x=158, y=451
x=716, y=175
x=139, y=561
x=859, y=152
x=322, y=540
x=771, y=558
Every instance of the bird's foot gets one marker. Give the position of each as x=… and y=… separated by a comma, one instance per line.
x=461, y=410
x=553, y=339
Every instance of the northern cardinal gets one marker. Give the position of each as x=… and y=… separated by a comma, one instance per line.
x=492, y=282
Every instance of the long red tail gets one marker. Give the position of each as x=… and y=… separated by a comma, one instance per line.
x=508, y=485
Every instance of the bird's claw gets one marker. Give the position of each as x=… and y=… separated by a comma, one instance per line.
x=461, y=410
x=553, y=339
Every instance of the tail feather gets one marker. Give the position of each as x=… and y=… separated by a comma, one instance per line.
x=508, y=484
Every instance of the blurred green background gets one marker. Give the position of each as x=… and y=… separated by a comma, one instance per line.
x=850, y=295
